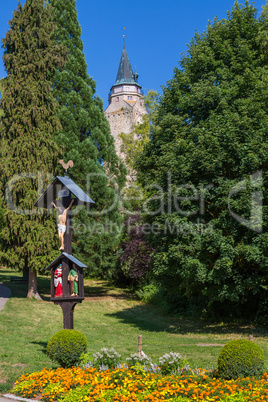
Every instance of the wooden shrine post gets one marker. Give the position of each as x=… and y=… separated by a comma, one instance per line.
x=62, y=194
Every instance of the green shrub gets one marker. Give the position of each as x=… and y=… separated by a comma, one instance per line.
x=86, y=360
x=240, y=358
x=66, y=347
x=147, y=292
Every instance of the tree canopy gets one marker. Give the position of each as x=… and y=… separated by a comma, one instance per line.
x=205, y=170
x=86, y=139
x=28, y=151
x=1, y=92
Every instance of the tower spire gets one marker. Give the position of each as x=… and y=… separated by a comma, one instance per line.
x=124, y=45
x=125, y=73
x=126, y=106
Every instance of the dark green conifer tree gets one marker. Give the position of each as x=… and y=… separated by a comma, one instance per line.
x=1, y=92
x=86, y=138
x=28, y=151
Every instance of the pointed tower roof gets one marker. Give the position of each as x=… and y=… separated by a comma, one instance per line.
x=125, y=73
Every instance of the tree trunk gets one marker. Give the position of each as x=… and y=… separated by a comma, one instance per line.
x=25, y=275
x=32, y=286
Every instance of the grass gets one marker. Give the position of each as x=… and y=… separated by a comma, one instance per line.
x=109, y=317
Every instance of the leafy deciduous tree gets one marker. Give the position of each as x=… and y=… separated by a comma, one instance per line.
x=208, y=154
x=136, y=254
x=132, y=145
x=134, y=142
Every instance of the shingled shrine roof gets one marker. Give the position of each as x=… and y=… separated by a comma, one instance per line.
x=69, y=257
x=59, y=184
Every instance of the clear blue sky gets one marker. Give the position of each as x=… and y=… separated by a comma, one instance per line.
x=157, y=32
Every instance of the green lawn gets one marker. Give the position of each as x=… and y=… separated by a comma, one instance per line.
x=109, y=317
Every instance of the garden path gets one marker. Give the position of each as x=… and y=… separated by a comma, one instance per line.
x=5, y=294
x=10, y=398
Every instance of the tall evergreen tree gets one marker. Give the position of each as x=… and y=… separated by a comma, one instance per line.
x=209, y=156
x=86, y=137
x=28, y=151
x=1, y=93
x=2, y=202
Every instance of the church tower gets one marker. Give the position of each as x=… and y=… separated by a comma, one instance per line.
x=126, y=105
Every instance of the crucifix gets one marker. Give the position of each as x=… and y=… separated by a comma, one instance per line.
x=62, y=217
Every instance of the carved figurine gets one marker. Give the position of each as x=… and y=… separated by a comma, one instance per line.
x=58, y=281
x=73, y=279
x=62, y=217
x=66, y=165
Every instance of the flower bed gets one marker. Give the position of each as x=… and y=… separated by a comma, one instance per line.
x=78, y=384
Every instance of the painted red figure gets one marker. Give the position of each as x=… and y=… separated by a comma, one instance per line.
x=58, y=281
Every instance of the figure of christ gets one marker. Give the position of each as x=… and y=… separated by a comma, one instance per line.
x=62, y=217
x=73, y=279
x=58, y=281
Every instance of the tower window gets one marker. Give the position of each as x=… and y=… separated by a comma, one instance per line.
x=117, y=99
x=129, y=98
